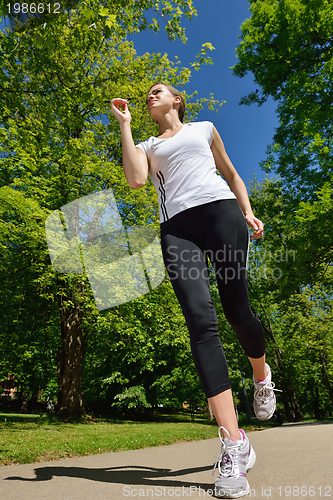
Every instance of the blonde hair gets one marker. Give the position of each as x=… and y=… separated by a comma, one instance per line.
x=176, y=93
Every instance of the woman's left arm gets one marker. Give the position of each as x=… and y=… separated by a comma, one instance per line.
x=237, y=186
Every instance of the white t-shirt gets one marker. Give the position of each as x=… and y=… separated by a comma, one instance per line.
x=183, y=170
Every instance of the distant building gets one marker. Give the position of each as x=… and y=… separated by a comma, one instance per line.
x=8, y=387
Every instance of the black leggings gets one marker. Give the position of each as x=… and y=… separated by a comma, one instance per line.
x=217, y=230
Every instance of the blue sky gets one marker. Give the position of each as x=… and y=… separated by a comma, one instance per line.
x=245, y=130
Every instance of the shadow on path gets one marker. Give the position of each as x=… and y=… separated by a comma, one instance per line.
x=316, y=422
x=127, y=475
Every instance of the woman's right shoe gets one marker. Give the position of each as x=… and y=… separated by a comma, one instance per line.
x=234, y=460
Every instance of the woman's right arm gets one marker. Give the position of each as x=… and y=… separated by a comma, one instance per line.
x=135, y=162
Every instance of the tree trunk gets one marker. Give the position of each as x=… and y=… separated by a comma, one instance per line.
x=286, y=405
x=323, y=364
x=25, y=398
x=315, y=402
x=294, y=403
x=209, y=412
x=69, y=360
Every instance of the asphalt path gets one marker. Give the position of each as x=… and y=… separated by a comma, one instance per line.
x=294, y=461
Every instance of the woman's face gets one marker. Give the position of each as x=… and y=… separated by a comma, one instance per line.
x=159, y=100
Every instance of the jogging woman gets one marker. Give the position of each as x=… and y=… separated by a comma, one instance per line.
x=204, y=216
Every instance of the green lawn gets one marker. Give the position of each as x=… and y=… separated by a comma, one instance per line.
x=32, y=438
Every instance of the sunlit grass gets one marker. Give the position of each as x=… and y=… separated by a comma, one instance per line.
x=31, y=438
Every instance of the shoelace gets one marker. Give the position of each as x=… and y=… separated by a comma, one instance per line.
x=226, y=456
x=261, y=394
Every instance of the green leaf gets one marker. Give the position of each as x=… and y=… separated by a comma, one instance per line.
x=38, y=39
x=88, y=13
x=103, y=11
x=111, y=20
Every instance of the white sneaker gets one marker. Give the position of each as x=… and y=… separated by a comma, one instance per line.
x=264, y=401
x=234, y=460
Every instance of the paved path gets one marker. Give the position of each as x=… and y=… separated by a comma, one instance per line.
x=293, y=461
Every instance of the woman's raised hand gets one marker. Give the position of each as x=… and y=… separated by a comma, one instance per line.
x=119, y=108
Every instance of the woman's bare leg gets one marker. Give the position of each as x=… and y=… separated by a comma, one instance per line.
x=223, y=408
x=260, y=371
x=222, y=404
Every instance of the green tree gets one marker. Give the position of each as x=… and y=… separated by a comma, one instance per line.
x=27, y=341
x=126, y=16
x=293, y=294
x=288, y=46
x=59, y=142
x=146, y=341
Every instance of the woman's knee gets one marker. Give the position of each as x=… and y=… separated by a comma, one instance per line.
x=240, y=318
x=202, y=321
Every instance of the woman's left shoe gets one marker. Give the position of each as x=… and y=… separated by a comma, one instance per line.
x=264, y=401
x=234, y=460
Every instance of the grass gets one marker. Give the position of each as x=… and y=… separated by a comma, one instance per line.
x=33, y=438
